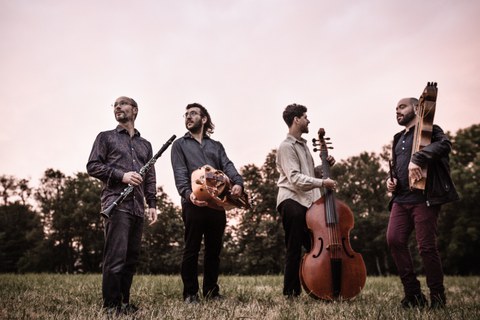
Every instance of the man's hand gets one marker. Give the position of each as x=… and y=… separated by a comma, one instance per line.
x=331, y=160
x=133, y=178
x=236, y=191
x=152, y=215
x=414, y=172
x=391, y=185
x=330, y=184
x=197, y=202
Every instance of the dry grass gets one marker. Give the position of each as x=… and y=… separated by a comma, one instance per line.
x=48, y=296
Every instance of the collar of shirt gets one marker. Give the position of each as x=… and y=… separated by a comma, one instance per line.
x=121, y=129
x=292, y=139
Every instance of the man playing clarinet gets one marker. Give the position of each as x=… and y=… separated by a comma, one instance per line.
x=116, y=158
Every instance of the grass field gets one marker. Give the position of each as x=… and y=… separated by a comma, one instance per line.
x=51, y=296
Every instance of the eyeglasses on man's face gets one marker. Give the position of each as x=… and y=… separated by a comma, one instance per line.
x=120, y=103
x=191, y=114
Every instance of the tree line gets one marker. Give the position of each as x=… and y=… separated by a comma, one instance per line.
x=57, y=227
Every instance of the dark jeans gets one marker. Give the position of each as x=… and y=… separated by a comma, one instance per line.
x=123, y=235
x=296, y=236
x=207, y=223
x=404, y=218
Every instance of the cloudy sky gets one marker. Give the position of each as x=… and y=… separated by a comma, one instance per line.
x=64, y=62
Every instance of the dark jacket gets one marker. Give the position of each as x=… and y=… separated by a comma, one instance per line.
x=439, y=188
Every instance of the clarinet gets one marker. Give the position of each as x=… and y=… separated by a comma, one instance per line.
x=108, y=212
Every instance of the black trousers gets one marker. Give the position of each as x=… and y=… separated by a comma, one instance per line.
x=296, y=236
x=207, y=223
x=123, y=235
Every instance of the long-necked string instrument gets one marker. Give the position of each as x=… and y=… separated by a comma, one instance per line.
x=331, y=270
x=108, y=212
x=425, y=111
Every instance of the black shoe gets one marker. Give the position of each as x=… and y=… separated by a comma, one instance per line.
x=438, y=301
x=191, y=299
x=111, y=312
x=215, y=297
x=129, y=309
x=418, y=300
x=292, y=297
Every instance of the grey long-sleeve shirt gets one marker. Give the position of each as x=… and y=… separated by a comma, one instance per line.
x=188, y=155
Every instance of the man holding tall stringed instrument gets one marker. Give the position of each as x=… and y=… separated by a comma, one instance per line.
x=298, y=187
x=420, y=183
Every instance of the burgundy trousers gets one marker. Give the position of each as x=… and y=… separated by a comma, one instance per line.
x=404, y=218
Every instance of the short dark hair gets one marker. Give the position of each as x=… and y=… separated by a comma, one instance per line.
x=209, y=126
x=292, y=111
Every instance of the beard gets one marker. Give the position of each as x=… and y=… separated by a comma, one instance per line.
x=196, y=127
x=406, y=119
x=121, y=117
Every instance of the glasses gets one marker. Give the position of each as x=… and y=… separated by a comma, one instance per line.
x=191, y=114
x=120, y=103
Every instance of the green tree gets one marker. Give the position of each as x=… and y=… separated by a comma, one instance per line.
x=256, y=244
x=20, y=233
x=70, y=209
x=361, y=182
x=459, y=223
x=162, y=243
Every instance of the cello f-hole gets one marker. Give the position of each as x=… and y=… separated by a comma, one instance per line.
x=345, y=248
x=321, y=248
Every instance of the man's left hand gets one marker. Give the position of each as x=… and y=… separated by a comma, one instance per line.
x=237, y=191
x=152, y=215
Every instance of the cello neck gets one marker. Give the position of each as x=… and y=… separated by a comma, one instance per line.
x=330, y=208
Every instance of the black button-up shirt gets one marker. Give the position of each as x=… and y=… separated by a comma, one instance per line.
x=113, y=154
x=403, y=154
x=188, y=155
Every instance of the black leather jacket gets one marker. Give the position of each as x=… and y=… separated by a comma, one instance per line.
x=439, y=188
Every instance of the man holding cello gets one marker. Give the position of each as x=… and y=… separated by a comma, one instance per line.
x=299, y=186
x=412, y=208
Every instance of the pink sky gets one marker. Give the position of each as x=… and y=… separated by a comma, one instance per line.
x=64, y=62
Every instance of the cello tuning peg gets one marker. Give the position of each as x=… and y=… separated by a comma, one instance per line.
x=330, y=147
x=315, y=149
x=314, y=140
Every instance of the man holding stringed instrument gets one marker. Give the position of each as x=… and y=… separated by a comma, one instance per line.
x=420, y=183
x=208, y=183
x=299, y=186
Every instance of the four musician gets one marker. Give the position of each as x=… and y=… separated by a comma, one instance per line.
x=190, y=152
x=418, y=209
x=118, y=154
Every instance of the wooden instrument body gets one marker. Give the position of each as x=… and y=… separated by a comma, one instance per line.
x=331, y=270
x=425, y=112
x=213, y=186
x=317, y=272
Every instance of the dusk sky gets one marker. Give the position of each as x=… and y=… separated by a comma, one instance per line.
x=64, y=62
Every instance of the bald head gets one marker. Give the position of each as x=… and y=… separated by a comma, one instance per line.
x=408, y=101
x=406, y=111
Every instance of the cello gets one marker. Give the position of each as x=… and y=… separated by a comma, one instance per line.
x=331, y=270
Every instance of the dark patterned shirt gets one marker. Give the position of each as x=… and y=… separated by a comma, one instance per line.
x=188, y=155
x=113, y=154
